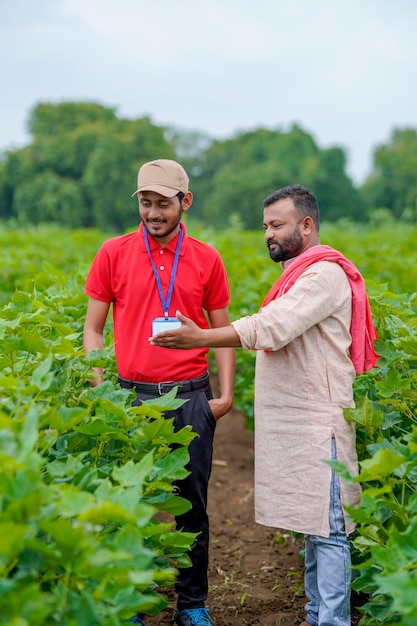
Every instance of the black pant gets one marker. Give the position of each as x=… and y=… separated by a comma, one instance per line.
x=192, y=582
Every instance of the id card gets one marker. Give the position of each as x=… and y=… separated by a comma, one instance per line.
x=164, y=323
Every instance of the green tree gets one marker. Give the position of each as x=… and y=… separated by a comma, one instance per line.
x=393, y=181
x=81, y=168
x=48, y=197
x=337, y=196
x=19, y=166
x=110, y=176
x=237, y=174
x=6, y=194
x=64, y=137
x=53, y=120
x=68, y=154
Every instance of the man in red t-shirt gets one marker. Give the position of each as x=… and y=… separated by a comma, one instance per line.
x=146, y=276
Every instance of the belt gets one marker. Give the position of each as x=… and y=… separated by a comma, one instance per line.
x=159, y=389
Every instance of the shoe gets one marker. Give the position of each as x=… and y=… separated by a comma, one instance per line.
x=194, y=617
x=136, y=620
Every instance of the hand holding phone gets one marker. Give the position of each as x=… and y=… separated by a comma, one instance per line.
x=164, y=323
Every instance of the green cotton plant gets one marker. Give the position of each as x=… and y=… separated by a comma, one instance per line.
x=385, y=541
x=44, y=256
x=85, y=545
x=72, y=496
x=82, y=475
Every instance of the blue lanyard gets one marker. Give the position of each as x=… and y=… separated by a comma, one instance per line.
x=167, y=302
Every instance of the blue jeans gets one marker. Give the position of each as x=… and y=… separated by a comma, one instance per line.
x=327, y=562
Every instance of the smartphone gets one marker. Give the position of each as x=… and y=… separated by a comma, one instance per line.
x=164, y=323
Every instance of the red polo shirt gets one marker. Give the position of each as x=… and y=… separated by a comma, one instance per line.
x=121, y=273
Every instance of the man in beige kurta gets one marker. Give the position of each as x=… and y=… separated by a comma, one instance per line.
x=301, y=385
x=312, y=335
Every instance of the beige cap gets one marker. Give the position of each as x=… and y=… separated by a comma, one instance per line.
x=163, y=176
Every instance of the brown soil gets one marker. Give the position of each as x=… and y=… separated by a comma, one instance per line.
x=255, y=572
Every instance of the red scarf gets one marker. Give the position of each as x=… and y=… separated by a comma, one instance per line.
x=362, y=328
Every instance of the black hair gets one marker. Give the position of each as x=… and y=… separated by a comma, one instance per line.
x=304, y=201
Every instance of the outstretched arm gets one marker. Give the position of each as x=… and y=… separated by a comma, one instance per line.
x=192, y=336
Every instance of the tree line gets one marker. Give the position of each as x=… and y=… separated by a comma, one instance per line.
x=80, y=171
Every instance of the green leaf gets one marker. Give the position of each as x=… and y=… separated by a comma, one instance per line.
x=401, y=587
x=33, y=342
x=106, y=512
x=68, y=467
x=172, y=466
x=383, y=463
x=178, y=539
x=99, y=427
x=12, y=540
x=72, y=501
x=162, y=429
x=167, y=402
x=364, y=415
x=42, y=377
x=175, y=505
x=392, y=384
x=66, y=418
x=28, y=435
x=134, y=474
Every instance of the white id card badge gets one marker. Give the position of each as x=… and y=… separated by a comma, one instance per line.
x=164, y=323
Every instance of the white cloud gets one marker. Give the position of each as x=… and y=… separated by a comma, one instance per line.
x=344, y=71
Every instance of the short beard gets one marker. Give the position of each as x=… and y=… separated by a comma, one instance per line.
x=288, y=249
x=170, y=230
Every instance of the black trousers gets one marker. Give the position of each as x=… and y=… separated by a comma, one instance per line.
x=192, y=582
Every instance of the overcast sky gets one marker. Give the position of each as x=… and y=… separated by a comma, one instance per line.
x=344, y=70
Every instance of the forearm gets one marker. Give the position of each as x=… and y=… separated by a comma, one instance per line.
x=222, y=337
x=226, y=363
x=93, y=341
x=93, y=332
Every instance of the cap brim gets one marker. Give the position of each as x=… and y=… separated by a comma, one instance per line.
x=167, y=192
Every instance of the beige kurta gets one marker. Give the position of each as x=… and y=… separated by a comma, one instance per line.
x=303, y=381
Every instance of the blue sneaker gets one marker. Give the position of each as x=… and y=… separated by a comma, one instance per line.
x=136, y=620
x=194, y=617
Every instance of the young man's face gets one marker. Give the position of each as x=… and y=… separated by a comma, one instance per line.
x=160, y=215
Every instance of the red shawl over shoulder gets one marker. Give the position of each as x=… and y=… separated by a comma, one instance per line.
x=362, y=328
